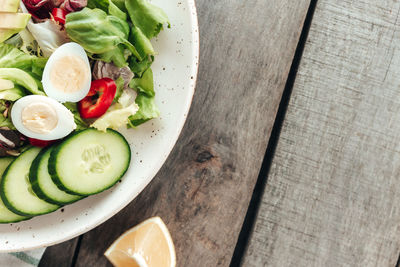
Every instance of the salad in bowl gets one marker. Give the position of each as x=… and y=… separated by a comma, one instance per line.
x=72, y=72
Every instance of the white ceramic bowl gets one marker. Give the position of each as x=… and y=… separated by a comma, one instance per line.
x=175, y=70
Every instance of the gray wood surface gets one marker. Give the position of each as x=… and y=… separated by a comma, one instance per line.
x=60, y=255
x=333, y=192
x=203, y=190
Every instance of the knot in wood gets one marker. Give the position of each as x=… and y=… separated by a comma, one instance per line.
x=204, y=156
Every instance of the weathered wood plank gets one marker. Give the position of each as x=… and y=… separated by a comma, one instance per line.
x=60, y=255
x=333, y=193
x=203, y=190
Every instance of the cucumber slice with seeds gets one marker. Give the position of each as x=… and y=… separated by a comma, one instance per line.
x=6, y=216
x=16, y=191
x=43, y=185
x=89, y=161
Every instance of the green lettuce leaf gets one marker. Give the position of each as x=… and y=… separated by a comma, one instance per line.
x=12, y=94
x=109, y=7
x=120, y=4
x=6, y=122
x=22, y=78
x=147, y=17
x=38, y=65
x=117, y=56
x=122, y=25
x=144, y=84
x=148, y=20
x=22, y=69
x=145, y=99
x=25, y=42
x=11, y=57
x=120, y=88
x=147, y=110
x=141, y=42
x=139, y=67
x=4, y=105
x=80, y=123
x=96, y=32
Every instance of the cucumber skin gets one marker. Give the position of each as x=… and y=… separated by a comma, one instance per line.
x=15, y=221
x=8, y=204
x=3, y=197
x=33, y=179
x=52, y=164
x=11, y=221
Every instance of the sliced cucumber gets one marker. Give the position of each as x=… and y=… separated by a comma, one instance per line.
x=43, y=185
x=89, y=161
x=6, y=216
x=16, y=191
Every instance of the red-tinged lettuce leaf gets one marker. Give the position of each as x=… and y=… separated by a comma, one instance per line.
x=12, y=143
x=109, y=70
x=41, y=8
x=74, y=5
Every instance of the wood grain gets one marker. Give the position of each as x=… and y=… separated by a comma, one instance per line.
x=333, y=193
x=204, y=188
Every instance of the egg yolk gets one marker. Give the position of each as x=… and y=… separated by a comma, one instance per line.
x=68, y=74
x=40, y=118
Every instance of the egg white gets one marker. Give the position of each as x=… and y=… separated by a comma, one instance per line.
x=65, y=124
x=67, y=49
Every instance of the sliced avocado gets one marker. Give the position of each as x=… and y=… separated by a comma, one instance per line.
x=13, y=20
x=9, y=5
x=6, y=84
x=7, y=33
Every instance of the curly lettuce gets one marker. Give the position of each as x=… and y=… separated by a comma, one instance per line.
x=145, y=99
x=118, y=114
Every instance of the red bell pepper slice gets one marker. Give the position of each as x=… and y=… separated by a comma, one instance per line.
x=59, y=15
x=99, y=98
x=40, y=143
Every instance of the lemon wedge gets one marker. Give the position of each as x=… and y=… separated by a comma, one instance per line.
x=148, y=244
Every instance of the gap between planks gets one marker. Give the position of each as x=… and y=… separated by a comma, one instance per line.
x=333, y=187
x=256, y=198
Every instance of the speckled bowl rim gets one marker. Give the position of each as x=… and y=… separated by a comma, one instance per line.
x=160, y=161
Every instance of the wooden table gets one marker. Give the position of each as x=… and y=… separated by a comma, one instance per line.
x=291, y=152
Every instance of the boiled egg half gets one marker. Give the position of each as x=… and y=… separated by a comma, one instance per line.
x=41, y=117
x=66, y=76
